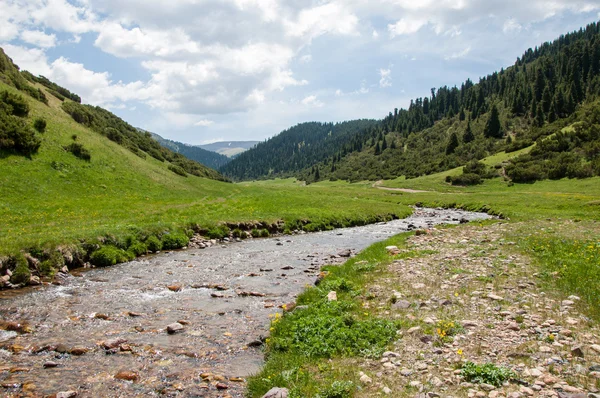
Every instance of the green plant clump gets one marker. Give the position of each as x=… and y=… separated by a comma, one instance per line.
x=337, y=389
x=138, y=248
x=153, y=244
x=110, y=255
x=21, y=272
x=487, y=373
x=40, y=124
x=175, y=240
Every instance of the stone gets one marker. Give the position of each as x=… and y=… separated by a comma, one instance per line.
x=495, y=297
x=332, y=296
x=389, y=354
x=386, y=390
x=487, y=387
x=78, y=350
x=406, y=372
x=35, y=280
x=595, y=347
x=526, y=390
x=567, y=303
x=277, y=392
x=50, y=364
x=127, y=375
x=401, y=305
x=577, y=352
x=112, y=343
x=175, y=287
x=414, y=330
x=514, y=326
x=175, y=327
x=66, y=394
x=365, y=379
x=222, y=386
x=418, y=286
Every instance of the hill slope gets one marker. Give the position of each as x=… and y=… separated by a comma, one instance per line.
x=293, y=149
x=208, y=158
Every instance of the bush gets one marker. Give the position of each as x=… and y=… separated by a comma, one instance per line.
x=465, y=179
x=264, y=233
x=175, y=240
x=110, y=255
x=18, y=105
x=177, y=170
x=337, y=389
x=15, y=134
x=153, y=244
x=255, y=233
x=79, y=151
x=238, y=233
x=138, y=248
x=488, y=373
x=40, y=124
x=21, y=272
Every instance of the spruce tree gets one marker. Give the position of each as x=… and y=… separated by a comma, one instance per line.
x=493, y=128
x=468, y=135
x=377, y=149
x=452, y=143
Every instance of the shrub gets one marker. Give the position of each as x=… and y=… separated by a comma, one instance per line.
x=153, y=244
x=175, y=240
x=40, y=124
x=54, y=261
x=15, y=134
x=264, y=233
x=465, y=179
x=110, y=255
x=21, y=272
x=79, y=151
x=18, y=104
x=177, y=170
x=138, y=248
x=238, y=233
x=488, y=373
x=255, y=233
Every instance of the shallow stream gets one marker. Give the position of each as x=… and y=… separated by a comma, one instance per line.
x=227, y=294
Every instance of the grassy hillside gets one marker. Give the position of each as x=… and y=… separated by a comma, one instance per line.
x=54, y=197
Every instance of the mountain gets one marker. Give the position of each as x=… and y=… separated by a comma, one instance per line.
x=506, y=110
x=294, y=149
x=206, y=157
x=229, y=148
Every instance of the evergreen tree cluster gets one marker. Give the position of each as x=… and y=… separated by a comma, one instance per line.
x=295, y=149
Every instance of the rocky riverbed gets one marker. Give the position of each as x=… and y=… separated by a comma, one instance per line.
x=187, y=323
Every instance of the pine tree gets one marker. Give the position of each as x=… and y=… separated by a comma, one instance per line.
x=539, y=117
x=452, y=143
x=493, y=127
x=393, y=144
x=377, y=149
x=317, y=175
x=461, y=115
x=384, y=145
x=468, y=135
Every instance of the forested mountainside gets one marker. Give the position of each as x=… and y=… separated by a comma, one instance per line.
x=506, y=110
x=21, y=135
x=210, y=159
x=294, y=149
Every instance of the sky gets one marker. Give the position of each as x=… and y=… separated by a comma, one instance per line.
x=199, y=71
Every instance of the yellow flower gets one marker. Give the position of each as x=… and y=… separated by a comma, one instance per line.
x=459, y=352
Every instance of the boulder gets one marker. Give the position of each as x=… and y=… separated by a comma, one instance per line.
x=276, y=392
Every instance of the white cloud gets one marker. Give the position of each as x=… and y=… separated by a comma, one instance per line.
x=312, y=100
x=331, y=17
x=305, y=59
x=460, y=54
x=385, y=78
x=511, y=26
x=38, y=38
x=375, y=34
x=406, y=26
x=204, y=123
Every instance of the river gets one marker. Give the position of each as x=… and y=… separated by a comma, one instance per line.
x=112, y=321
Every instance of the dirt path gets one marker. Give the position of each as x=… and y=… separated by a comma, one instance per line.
x=377, y=184
x=475, y=286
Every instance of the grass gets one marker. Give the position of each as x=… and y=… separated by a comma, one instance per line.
x=54, y=198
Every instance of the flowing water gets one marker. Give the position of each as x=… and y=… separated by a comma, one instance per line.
x=227, y=294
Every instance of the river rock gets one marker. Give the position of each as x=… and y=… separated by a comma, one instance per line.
x=332, y=296
x=175, y=287
x=277, y=392
x=112, y=343
x=78, y=350
x=35, y=280
x=175, y=328
x=50, y=364
x=66, y=394
x=222, y=386
x=595, y=347
x=127, y=375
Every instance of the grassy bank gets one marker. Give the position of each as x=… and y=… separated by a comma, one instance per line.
x=555, y=224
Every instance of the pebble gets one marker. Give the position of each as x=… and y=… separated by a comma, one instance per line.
x=332, y=296
x=66, y=394
x=127, y=375
x=50, y=364
x=365, y=379
x=277, y=392
x=595, y=347
x=175, y=328
x=386, y=390
x=495, y=297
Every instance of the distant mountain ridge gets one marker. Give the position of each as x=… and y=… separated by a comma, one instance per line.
x=229, y=148
x=209, y=158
